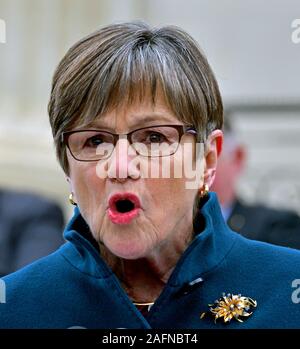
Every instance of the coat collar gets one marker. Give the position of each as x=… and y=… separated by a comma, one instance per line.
x=213, y=241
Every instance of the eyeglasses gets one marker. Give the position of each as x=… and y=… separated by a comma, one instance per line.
x=154, y=141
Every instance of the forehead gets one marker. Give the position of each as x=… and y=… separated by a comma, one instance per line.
x=140, y=113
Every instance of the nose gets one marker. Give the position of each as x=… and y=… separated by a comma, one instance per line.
x=120, y=164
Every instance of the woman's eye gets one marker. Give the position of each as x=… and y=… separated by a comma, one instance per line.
x=155, y=137
x=94, y=141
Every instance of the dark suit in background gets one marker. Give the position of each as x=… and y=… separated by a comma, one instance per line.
x=263, y=223
x=256, y=221
x=30, y=227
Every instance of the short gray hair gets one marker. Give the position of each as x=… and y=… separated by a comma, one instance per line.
x=122, y=62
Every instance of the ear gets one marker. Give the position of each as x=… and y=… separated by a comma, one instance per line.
x=70, y=184
x=213, y=150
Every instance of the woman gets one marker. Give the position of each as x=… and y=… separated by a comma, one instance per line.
x=146, y=250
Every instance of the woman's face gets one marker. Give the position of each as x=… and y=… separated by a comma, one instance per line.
x=162, y=208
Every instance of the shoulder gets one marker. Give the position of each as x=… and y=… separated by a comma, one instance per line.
x=53, y=292
x=31, y=292
x=259, y=252
x=264, y=264
x=36, y=275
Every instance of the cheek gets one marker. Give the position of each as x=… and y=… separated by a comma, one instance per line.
x=82, y=177
x=171, y=194
x=87, y=187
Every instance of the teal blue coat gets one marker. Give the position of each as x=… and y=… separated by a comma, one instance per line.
x=75, y=287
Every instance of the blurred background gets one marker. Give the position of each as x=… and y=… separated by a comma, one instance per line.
x=248, y=44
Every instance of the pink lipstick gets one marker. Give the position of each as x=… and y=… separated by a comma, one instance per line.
x=123, y=208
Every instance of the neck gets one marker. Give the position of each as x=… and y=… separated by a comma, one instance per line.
x=143, y=279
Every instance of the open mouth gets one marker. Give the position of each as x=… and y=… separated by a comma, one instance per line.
x=123, y=208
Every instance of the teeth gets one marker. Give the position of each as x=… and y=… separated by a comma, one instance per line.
x=124, y=206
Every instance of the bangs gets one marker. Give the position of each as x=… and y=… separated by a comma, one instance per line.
x=130, y=77
x=135, y=73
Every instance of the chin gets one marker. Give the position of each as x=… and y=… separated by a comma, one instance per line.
x=128, y=250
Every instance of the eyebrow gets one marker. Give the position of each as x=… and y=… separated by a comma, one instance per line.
x=147, y=120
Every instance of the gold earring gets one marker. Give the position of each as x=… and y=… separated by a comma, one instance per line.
x=71, y=200
x=204, y=190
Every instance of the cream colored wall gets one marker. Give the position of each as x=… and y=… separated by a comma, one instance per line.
x=272, y=173
x=38, y=34
x=247, y=42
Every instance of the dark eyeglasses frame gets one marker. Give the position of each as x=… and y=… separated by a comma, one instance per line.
x=181, y=129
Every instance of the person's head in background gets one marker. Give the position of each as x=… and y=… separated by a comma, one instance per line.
x=230, y=166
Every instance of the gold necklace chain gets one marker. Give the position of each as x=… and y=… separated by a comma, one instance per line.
x=140, y=304
x=143, y=304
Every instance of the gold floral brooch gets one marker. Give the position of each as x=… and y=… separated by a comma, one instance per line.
x=231, y=306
